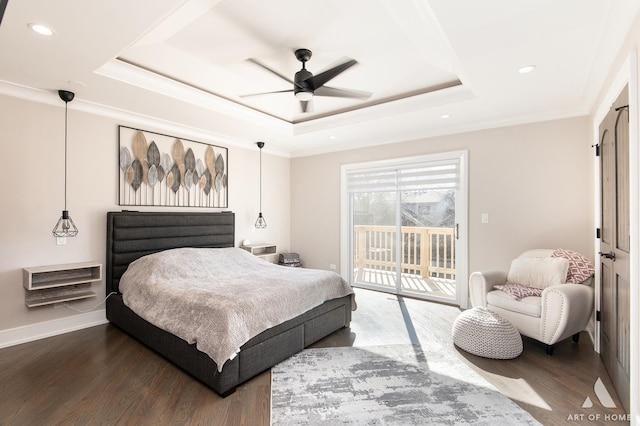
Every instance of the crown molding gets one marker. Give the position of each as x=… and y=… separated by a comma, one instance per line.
x=123, y=116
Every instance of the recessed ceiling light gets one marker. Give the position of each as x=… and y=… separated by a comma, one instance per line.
x=332, y=137
x=527, y=69
x=445, y=116
x=41, y=29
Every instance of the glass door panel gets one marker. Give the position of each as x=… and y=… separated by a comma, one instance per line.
x=374, y=240
x=428, y=243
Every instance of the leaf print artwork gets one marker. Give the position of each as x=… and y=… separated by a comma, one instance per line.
x=166, y=164
x=152, y=179
x=210, y=162
x=125, y=163
x=136, y=181
x=219, y=175
x=177, y=178
x=154, y=174
x=162, y=170
x=153, y=154
x=190, y=166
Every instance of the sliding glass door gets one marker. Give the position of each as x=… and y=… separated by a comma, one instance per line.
x=402, y=226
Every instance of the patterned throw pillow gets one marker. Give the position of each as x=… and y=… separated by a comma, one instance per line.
x=518, y=291
x=580, y=268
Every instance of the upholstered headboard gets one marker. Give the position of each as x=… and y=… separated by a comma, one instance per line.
x=131, y=235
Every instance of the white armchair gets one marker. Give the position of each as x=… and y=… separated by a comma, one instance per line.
x=562, y=309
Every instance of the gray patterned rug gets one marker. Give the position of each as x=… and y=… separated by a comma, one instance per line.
x=386, y=385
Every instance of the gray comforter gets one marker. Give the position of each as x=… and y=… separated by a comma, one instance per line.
x=221, y=298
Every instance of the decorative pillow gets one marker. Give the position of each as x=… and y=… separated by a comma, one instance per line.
x=538, y=272
x=518, y=291
x=580, y=268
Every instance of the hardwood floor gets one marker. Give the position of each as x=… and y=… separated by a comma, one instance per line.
x=102, y=376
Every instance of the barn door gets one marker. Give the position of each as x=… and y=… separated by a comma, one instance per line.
x=615, y=246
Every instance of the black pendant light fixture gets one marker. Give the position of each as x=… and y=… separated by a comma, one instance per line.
x=65, y=226
x=260, y=223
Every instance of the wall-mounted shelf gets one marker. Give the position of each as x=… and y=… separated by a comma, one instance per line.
x=263, y=250
x=45, y=285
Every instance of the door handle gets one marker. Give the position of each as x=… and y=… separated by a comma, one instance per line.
x=611, y=255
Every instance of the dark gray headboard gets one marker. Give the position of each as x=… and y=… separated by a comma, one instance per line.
x=131, y=235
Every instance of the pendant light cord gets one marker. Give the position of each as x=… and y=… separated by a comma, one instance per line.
x=260, y=180
x=260, y=223
x=66, y=106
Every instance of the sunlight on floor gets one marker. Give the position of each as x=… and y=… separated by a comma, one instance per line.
x=430, y=286
x=517, y=389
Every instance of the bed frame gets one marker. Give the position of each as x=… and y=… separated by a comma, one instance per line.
x=131, y=235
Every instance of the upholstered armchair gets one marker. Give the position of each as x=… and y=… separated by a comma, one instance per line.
x=547, y=294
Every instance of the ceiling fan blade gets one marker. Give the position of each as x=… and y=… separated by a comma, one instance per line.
x=265, y=93
x=261, y=65
x=318, y=80
x=341, y=93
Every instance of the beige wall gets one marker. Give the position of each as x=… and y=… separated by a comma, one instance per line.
x=33, y=198
x=534, y=180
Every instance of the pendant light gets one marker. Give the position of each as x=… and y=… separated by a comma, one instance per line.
x=260, y=223
x=65, y=226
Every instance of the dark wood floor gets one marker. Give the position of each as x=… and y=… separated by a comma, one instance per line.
x=101, y=376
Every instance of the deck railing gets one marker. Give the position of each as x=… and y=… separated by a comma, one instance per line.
x=427, y=251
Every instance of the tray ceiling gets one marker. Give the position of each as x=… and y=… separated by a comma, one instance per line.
x=399, y=53
x=191, y=63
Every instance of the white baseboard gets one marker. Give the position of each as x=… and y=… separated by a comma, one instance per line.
x=41, y=330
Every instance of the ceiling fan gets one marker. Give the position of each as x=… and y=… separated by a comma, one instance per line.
x=306, y=85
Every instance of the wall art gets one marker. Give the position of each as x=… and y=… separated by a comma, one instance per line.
x=162, y=170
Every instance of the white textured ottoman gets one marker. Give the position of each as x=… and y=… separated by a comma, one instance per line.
x=485, y=333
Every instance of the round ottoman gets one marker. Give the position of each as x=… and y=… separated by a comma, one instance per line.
x=486, y=334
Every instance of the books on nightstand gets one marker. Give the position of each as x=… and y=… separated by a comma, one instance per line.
x=289, y=259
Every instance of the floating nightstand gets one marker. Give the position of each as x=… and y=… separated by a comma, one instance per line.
x=262, y=250
x=45, y=285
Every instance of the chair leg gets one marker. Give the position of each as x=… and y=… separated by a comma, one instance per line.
x=575, y=337
x=549, y=350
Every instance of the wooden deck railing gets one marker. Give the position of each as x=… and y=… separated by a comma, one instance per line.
x=428, y=252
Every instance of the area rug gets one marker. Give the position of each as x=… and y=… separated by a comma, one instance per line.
x=386, y=385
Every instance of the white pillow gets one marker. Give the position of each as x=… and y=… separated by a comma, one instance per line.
x=539, y=272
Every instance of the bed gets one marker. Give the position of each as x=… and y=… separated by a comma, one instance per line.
x=132, y=235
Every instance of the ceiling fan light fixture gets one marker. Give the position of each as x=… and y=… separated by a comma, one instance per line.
x=304, y=96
